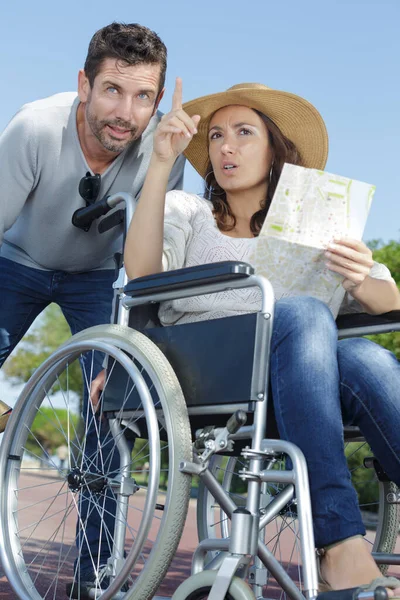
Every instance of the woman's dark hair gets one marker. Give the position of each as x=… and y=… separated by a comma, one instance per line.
x=131, y=44
x=283, y=150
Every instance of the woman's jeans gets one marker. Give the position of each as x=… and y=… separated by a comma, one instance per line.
x=318, y=384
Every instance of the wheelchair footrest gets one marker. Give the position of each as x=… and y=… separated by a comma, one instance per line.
x=353, y=594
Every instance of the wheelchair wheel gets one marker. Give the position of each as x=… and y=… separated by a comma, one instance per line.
x=198, y=587
x=117, y=500
x=281, y=535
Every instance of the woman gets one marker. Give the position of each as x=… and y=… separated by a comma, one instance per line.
x=238, y=141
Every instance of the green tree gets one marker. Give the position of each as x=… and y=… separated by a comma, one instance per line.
x=37, y=345
x=49, y=428
x=389, y=255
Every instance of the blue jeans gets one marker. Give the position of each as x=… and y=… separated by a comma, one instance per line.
x=318, y=384
x=85, y=300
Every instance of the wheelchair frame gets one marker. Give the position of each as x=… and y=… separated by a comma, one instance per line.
x=245, y=541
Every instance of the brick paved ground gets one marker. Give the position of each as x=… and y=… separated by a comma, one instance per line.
x=179, y=570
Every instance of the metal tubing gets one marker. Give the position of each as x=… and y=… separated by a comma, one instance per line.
x=262, y=343
x=258, y=575
x=122, y=503
x=278, y=476
x=278, y=572
x=216, y=489
x=260, y=427
x=368, y=330
x=386, y=559
x=241, y=530
x=304, y=512
x=123, y=313
x=244, y=433
x=130, y=205
x=205, y=546
x=267, y=294
x=276, y=505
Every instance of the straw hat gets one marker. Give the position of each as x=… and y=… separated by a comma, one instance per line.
x=297, y=119
x=5, y=412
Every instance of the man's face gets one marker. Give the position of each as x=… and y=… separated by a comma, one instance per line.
x=121, y=102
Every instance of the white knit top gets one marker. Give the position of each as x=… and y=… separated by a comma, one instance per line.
x=191, y=237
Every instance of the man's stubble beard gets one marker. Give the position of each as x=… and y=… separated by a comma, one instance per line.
x=97, y=128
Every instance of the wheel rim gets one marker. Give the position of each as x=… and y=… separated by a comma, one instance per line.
x=28, y=570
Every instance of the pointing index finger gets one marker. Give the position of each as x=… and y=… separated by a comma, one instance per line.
x=177, y=95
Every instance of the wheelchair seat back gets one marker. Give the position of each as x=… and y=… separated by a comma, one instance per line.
x=213, y=361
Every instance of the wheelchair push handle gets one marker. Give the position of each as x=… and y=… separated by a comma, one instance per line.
x=84, y=217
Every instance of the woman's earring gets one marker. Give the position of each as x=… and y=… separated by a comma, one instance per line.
x=210, y=190
x=270, y=171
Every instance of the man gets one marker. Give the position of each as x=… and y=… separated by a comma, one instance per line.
x=46, y=149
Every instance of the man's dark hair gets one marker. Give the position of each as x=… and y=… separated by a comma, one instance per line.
x=132, y=44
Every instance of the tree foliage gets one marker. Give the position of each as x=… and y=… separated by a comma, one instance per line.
x=389, y=255
x=38, y=344
x=49, y=429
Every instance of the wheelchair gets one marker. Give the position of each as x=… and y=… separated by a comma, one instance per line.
x=171, y=408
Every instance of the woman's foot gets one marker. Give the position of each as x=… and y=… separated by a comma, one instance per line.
x=349, y=564
x=5, y=412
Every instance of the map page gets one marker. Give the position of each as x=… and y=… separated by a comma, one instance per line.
x=308, y=210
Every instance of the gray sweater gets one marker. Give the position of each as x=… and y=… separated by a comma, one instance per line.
x=41, y=164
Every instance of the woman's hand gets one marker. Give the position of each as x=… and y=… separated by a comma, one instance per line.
x=175, y=130
x=350, y=258
x=96, y=388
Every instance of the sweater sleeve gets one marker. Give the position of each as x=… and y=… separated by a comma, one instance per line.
x=180, y=208
x=17, y=168
x=350, y=304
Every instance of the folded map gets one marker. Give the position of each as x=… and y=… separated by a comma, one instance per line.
x=309, y=209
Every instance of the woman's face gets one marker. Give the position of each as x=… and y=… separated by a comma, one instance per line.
x=239, y=150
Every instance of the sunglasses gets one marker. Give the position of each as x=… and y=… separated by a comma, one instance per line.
x=89, y=188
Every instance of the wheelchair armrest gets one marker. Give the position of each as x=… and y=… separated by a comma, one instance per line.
x=187, y=278
x=358, y=324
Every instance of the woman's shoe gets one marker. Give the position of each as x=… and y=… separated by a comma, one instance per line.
x=5, y=412
x=390, y=583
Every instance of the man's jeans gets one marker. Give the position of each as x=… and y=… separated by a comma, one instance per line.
x=85, y=300
x=317, y=385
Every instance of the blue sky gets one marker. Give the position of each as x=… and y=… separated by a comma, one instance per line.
x=342, y=55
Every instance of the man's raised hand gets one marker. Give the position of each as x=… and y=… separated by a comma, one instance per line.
x=175, y=130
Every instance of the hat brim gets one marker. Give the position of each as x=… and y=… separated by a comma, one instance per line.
x=297, y=119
